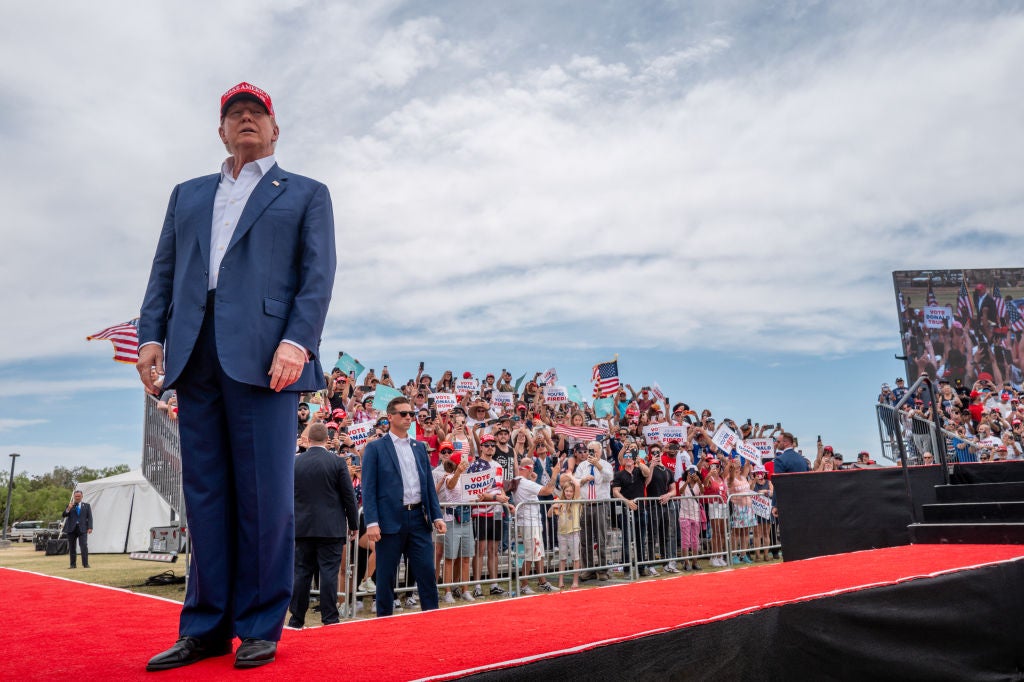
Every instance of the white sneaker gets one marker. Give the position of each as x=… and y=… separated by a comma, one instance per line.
x=526, y=590
x=467, y=596
x=411, y=601
x=368, y=586
x=477, y=591
x=671, y=567
x=545, y=587
x=448, y=598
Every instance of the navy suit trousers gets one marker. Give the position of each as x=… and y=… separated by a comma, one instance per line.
x=238, y=454
x=414, y=541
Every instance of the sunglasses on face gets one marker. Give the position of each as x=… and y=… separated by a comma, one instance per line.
x=405, y=413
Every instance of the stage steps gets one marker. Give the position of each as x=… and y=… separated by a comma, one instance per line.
x=974, y=511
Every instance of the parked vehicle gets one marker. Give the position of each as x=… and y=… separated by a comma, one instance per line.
x=22, y=531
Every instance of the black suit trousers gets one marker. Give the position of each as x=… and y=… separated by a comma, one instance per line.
x=313, y=555
x=82, y=536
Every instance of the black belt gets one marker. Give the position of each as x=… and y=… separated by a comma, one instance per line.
x=411, y=507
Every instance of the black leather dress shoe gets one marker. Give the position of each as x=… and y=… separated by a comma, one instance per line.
x=254, y=653
x=294, y=622
x=185, y=651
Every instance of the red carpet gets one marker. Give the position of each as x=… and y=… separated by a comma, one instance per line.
x=60, y=628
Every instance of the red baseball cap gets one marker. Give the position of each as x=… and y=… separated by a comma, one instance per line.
x=247, y=91
x=456, y=458
x=339, y=413
x=446, y=445
x=486, y=438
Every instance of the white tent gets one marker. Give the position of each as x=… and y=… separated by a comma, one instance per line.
x=124, y=508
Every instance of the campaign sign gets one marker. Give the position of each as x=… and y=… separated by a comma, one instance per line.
x=603, y=407
x=501, y=399
x=465, y=386
x=476, y=484
x=652, y=433
x=748, y=452
x=764, y=445
x=936, y=317
x=556, y=395
x=444, y=402
x=384, y=395
x=672, y=433
x=725, y=438
x=658, y=393
x=549, y=377
x=360, y=432
x=762, y=506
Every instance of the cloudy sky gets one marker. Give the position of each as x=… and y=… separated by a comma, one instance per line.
x=716, y=191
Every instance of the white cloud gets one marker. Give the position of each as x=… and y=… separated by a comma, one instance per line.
x=652, y=196
x=12, y=424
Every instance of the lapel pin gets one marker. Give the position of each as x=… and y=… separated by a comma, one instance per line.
x=275, y=183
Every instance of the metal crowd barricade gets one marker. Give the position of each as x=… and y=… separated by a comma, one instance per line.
x=161, y=455
x=753, y=527
x=605, y=543
x=613, y=539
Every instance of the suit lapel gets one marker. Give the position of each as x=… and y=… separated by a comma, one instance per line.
x=203, y=206
x=389, y=447
x=273, y=185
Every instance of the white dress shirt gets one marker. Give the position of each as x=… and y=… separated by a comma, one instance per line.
x=228, y=204
x=411, y=493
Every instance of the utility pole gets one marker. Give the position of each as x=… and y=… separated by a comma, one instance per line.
x=4, y=542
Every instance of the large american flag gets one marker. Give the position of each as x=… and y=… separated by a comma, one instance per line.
x=1000, y=303
x=1016, y=319
x=606, y=378
x=931, y=295
x=125, y=337
x=964, y=304
x=579, y=432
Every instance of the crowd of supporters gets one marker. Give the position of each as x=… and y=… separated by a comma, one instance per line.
x=982, y=422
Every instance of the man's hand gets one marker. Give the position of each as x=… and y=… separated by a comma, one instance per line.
x=286, y=368
x=89, y=531
x=373, y=533
x=151, y=355
x=440, y=527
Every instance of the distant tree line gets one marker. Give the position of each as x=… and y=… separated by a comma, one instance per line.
x=44, y=497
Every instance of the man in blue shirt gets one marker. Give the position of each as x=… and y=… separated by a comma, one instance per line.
x=789, y=460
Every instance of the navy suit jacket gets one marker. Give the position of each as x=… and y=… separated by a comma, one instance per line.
x=790, y=461
x=81, y=522
x=382, y=485
x=324, y=496
x=275, y=279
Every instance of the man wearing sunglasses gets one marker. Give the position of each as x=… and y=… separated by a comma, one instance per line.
x=399, y=505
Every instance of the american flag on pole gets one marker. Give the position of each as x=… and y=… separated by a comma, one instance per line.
x=901, y=301
x=964, y=304
x=125, y=337
x=580, y=432
x=1000, y=302
x=931, y=295
x=1016, y=319
x=606, y=378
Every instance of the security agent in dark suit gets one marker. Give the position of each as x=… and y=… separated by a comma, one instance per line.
x=324, y=501
x=77, y=526
x=399, y=505
x=236, y=302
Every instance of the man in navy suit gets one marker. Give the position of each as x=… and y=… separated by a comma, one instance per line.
x=232, y=317
x=789, y=460
x=324, y=501
x=77, y=526
x=399, y=505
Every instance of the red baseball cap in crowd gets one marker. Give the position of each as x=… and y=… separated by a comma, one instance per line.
x=245, y=91
x=486, y=438
x=339, y=414
x=456, y=458
x=984, y=376
x=467, y=375
x=446, y=445
x=331, y=425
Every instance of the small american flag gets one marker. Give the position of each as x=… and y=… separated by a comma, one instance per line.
x=125, y=337
x=931, y=296
x=1016, y=319
x=606, y=378
x=964, y=304
x=1000, y=303
x=580, y=432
